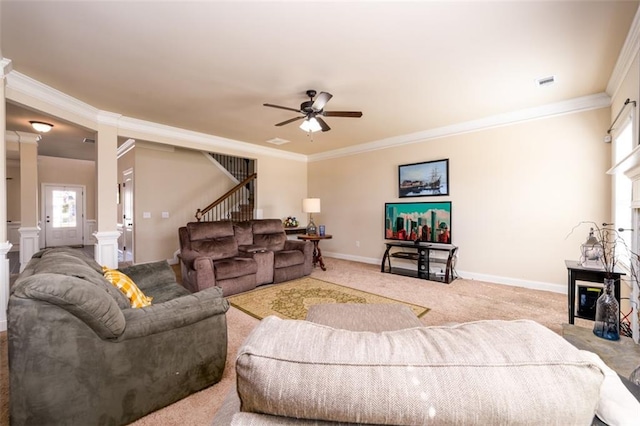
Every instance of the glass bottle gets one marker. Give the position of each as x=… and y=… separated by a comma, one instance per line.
x=635, y=376
x=607, y=323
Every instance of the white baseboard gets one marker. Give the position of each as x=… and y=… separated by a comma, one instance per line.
x=495, y=279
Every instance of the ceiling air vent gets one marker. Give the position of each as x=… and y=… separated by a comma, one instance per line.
x=546, y=81
x=87, y=140
x=278, y=141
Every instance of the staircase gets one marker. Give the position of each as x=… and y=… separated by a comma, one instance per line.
x=239, y=202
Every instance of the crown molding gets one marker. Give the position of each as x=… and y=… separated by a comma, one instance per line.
x=626, y=57
x=597, y=101
x=211, y=141
x=22, y=137
x=108, y=118
x=5, y=67
x=35, y=89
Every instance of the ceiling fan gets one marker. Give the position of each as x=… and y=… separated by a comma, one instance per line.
x=311, y=111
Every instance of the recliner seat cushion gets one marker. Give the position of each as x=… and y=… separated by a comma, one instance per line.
x=284, y=259
x=485, y=372
x=233, y=268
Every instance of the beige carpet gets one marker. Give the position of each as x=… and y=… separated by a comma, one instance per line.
x=291, y=300
x=460, y=301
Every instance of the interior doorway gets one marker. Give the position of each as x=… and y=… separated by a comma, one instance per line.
x=127, y=216
x=63, y=215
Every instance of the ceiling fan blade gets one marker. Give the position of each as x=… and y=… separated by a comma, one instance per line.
x=290, y=121
x=325, y=127
x=281, y=107
x=321, y=101
x=355, y=114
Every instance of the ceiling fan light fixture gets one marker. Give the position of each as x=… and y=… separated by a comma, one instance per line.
x=311, y=125
x=40, y=126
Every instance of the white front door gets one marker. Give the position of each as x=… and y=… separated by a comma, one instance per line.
x=63, y=215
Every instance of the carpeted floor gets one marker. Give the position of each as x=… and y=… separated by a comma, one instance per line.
x=292, y=299
x=460, y=301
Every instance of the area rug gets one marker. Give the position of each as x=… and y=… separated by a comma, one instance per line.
x=292, y=299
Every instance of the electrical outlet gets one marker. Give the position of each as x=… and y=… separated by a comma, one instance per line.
x=357, y=243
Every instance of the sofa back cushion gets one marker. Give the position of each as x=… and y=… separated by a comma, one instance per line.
x=81, y=298
x=486, y=372
x=269, y=233
x=244, y=233
x=216, y=248
x=213, y=239
x=208, y=230
x=74, y=264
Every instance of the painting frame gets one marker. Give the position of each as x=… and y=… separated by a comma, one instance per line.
x=424, y=221
x=424, y=179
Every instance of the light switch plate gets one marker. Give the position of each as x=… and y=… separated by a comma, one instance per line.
x=165, y=215
x=146, y=215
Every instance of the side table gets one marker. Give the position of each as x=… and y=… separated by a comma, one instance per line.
x=579, y=273
x=317, y=254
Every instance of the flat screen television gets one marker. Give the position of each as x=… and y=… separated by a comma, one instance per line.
x=422, y=221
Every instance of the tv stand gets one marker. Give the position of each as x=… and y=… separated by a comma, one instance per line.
x=425, y=255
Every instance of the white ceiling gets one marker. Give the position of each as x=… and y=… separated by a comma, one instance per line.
x=208, y=66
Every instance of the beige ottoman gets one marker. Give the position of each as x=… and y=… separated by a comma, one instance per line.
x=347, y=316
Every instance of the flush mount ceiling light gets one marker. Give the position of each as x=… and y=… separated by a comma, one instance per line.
x=41, y=126
x=311, y=125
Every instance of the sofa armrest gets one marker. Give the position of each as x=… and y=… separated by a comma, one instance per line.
x=297, y=245
x=205, y=278
x=306, y=247
x=173, y=314
x=147, y=275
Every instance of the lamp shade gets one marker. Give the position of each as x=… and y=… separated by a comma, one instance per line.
x=311, y=205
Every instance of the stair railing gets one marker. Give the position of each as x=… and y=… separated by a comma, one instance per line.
x=236, y=204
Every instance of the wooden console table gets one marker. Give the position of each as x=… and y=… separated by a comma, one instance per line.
x=317, y=254
x=422, y=254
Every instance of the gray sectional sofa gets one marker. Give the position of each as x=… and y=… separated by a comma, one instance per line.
x=80, y=355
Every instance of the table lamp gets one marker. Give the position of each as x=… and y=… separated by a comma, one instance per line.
x=311, y=205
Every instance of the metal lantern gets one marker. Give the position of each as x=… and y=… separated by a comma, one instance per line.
x=591, y=252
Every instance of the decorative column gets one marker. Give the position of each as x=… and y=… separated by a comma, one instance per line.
x=5, y=245
x=106, y=248
x=29, y=229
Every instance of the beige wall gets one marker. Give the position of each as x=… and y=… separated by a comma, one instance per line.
x=516, y=191
x=182, y=180
x=13, y=191
x=67, y=171
x=177, y=182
